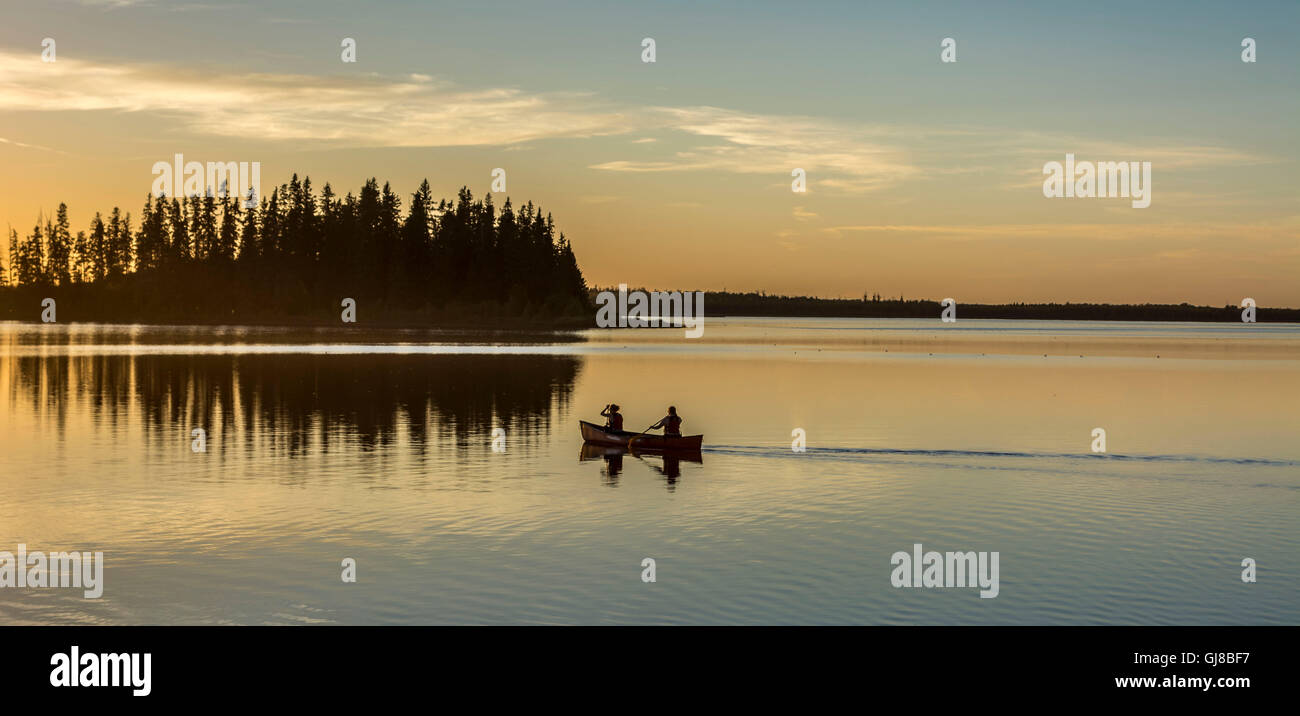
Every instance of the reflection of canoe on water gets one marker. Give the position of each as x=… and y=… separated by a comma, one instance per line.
x=595, y=451
x=593, y=433
x=613, y=457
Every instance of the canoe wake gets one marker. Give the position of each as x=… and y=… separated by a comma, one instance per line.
x=842, y=453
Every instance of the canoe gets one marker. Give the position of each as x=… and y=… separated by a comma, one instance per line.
x=600, y=435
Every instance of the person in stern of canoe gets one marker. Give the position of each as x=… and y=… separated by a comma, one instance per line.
x=671, y=423
x=613, y=418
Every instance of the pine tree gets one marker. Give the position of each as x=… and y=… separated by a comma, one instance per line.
x=366, y=230
x=248, y=239
x=390, y=237
x=271, y=223
x=81, y=258
x=47, y=266
x=179, y=233
x=229, y=236
x=294, y=220
x=117, y=244
x=330, y=219
x=125, y=246
x=13, y=256
x=200, y=228
x=571, y=281
x=205, y=227
x=311, y=228
x=416, y=243
x=59, y=255
x=98, y=248
x=143, y=255
x=151, y=240
x=31, y=269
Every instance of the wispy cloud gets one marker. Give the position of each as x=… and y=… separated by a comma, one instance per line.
x=1285, y=229
x=834, y=154
x=173, y=5
x=24, y=145
x=1044, y=147
x=359, y=110
x=113, y=3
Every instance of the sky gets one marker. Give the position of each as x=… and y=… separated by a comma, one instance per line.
x=924, y=178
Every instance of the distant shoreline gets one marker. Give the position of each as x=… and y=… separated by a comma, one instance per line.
x=87, y=304
x=719, y=304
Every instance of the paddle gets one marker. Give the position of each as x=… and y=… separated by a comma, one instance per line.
x=641, y=434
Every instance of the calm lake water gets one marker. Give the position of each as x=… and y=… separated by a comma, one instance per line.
x=975, y=436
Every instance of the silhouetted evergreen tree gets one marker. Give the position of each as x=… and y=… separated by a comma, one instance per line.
x=81, y=258
x=228, y=239
x=389, y=236
x=249, y=241
x=272, y=222
x=31, y=259
x=366, y=233
x=175, y=235
x=98, y=252
x=117, y=244
x=203, y=227
x=60, y=248
x=13, y=254
x=416, y=245
x=151, y=240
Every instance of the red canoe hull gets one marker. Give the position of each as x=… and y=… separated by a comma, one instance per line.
x=599, y=435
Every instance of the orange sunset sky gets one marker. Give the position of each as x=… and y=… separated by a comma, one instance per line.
x=924, y=178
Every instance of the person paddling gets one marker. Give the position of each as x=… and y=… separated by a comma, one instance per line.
x=613, y=418
x=671, y=423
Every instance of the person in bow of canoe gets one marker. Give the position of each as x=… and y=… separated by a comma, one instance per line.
x=671, y=423
x=613, y=418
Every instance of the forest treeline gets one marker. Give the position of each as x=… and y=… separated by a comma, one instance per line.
x=876, y=306
x=295, y=255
